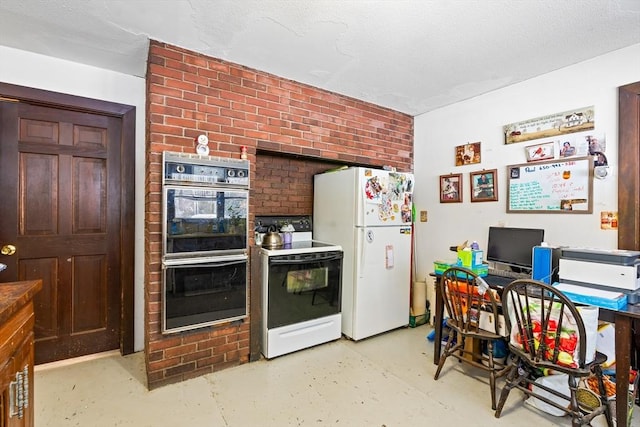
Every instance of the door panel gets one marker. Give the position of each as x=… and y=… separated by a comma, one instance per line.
x=89, y=194
x=38, y=195
x=62, y=212
x=90, y=293
x=45, y=300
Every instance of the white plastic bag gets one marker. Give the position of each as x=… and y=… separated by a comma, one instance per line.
x=559, y=382
x=589, y=316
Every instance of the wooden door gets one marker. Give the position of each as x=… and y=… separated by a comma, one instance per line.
x=629, y=188
x=629, y=166
x=60, y=174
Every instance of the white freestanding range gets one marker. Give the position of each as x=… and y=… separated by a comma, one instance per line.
x=368, y=213
x=301, y=283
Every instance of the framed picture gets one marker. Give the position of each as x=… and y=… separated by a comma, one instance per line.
x=551, y=125
x=540, y=152
x=484, y=186
x=568, y=149
x=451, y=188
x=468, y=154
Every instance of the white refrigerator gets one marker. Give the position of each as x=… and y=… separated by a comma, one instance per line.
x=368, y=212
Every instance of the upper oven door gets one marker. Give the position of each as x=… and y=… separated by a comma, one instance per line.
x=203, y=221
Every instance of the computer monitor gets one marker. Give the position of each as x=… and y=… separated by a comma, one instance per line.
x=513, y=246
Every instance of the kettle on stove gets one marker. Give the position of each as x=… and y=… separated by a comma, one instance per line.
x=272, y=239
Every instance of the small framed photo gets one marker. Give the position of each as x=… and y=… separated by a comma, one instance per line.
x=451, y=188
x=568, y=148
x=540, y=152
x=468, y=154
x=484, y=186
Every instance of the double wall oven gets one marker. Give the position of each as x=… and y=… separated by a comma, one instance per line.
x=204, y=258
x=301, y=289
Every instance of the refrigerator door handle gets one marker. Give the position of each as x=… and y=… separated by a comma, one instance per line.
x=361, y=255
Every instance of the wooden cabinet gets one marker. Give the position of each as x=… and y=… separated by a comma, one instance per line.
x=16, y=352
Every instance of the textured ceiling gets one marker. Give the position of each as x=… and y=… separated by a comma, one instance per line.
x=409, y=55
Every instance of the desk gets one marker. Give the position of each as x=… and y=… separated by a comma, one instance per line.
x=622, y=318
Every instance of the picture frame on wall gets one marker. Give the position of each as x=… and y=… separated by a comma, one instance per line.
x=468, y=154
x=484, y=185
x=451, y=188
x=551, y=125
x=540, y=152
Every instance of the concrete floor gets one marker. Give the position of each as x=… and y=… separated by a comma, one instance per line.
x=385, y=380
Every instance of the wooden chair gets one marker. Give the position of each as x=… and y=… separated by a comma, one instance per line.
x=467, y=299
x=535, y=313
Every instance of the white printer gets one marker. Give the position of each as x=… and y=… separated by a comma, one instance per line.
x=618, y=269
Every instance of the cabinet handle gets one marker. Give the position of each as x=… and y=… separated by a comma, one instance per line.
x=19, y=394
x=25, y=384
x=12, y=399
x=20, y=401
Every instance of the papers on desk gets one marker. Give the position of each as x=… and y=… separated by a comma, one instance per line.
x=613, y=300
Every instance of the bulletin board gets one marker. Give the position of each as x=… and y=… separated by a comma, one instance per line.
x=554, y=186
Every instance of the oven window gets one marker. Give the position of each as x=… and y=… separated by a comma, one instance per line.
x=204, y=220
x=197, y=295
x=312, y=279
x=303, y=289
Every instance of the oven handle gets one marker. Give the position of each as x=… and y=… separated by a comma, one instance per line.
x=303, y=260
x=207, y=264
x=205, y=261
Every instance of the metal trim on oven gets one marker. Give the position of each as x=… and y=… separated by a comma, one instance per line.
x=217, y=259
x=234, y=173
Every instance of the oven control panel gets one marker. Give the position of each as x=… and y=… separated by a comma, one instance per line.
x=190, y=169
x=301, y=223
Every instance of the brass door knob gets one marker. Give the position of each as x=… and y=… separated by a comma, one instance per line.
x=8, y=250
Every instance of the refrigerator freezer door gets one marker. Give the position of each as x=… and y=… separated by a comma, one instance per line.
x=383, y=197
x=381, y=282
x=334, y=209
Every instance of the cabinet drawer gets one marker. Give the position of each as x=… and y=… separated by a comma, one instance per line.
x=15, y=330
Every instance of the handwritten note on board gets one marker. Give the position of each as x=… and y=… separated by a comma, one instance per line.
x=559, y=186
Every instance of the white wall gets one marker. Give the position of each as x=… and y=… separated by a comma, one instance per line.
x=593, y=82
x=43, y=72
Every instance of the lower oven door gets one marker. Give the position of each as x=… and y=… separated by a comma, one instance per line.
x=199, y=292
x=303, y=287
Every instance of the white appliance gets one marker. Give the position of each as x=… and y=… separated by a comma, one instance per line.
x=617, y=276
x=300, y=284
x=368, y=213
x=614, y=268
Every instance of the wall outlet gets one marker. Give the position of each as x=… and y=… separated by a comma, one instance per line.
x=423, y=216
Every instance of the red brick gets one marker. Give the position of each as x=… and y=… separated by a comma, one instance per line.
x=179, y=351
x=180, y=369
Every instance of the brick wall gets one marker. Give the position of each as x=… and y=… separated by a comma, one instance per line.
x=291, y=132
x=283, y=185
